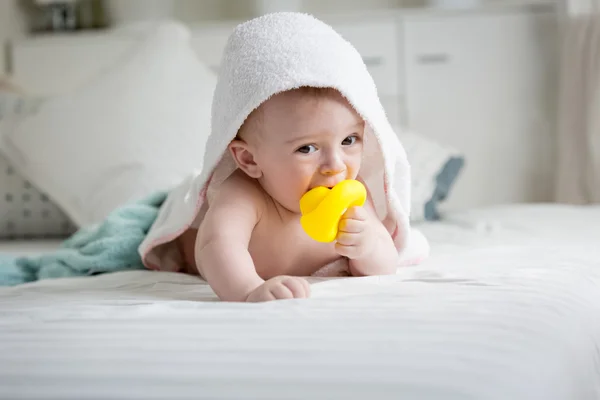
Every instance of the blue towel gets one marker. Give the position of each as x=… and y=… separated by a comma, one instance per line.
x=109, y=246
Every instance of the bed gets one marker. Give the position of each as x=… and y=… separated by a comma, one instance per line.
x=507, y=307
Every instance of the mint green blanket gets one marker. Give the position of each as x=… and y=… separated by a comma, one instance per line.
x=107, y=247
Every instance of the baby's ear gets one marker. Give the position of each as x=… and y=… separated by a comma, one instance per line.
x=243, y=157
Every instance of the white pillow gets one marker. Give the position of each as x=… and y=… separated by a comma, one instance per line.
x=139, y=127
x=435, y=167
x=25, y=212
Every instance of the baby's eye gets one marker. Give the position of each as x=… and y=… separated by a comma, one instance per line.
x=349, y=140
x=309, y=148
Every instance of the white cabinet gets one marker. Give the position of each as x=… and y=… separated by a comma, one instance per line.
x=377, y=43
x=484, y=84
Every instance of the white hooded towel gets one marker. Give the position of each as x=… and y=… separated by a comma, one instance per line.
x=265, y=56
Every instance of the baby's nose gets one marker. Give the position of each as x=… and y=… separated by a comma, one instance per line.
x=333, y=165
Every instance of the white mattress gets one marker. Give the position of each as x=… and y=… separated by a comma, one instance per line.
x=507, y=307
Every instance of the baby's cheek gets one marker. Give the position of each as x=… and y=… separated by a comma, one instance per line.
x=301, y=176
x=353, y=170
x=354, y=163
x=293, y=186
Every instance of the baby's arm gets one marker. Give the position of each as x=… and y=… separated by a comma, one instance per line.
x=221, y=250
x=222, y=243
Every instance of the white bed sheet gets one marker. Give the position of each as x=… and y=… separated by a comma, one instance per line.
x=507, y=307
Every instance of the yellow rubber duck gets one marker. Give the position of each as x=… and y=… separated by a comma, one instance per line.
x=322, y=208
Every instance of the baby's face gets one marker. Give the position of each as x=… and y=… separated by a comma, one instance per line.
x=305, y=141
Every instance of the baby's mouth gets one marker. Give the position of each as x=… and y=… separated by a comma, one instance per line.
x=330, y=186
x=318, y=186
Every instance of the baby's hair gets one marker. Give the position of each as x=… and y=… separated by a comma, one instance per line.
x=254, y=121
x=316, y=91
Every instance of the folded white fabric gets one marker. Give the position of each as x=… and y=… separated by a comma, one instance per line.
x=138, y=127
x=269, y=55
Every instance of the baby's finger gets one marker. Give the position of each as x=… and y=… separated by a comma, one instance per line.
x=346, y=251
x=347, y=239
x=305, y=286
x=299, y=288
x=260, y=295
x=350, y=226
x=281, y=291
x=358, y=213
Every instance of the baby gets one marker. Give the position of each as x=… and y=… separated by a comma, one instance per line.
x=294, y=108
x=250, y=245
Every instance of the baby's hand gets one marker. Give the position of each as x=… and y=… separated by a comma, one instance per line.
x=356, y=234
x=279, y=288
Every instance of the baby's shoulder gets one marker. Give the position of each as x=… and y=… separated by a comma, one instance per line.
x=238, y=189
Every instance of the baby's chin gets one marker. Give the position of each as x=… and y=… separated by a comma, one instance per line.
x=293, y=209
x=291, y=206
